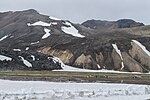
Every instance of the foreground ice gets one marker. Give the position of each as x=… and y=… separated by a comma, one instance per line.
x=36, y=90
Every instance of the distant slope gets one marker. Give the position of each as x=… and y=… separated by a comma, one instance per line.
x=108, y=25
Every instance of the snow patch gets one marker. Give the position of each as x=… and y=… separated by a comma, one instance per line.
x=2, y=58
x=142, y=46
x=16, y=49
x=33, y=57
x=98, y=66
x=71, y=30
x=54, y=18
x=27, y=48
x=1, y=39
x=54, y=23
x=39, y=23
x=34, y=43
x=119, y=52
x=11, y=36
x=27, y=63
x=47, y=34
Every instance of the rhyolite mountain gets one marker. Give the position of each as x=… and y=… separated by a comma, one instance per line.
x=31, y=41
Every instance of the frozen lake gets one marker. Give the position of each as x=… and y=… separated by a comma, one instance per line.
x=38, y=90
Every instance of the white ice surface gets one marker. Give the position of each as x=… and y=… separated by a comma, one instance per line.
x=39, y=23
x=47, y=33
x=142, y=46
x=2, y=58
x=37, y=90
x=71, y=30
x=1, y=39
x=27, y=63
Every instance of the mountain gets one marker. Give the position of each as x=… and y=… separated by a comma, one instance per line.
x=32, y=41
x=109, y=25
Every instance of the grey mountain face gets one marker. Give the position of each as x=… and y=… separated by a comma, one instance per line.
x=30, y=38
x=109, y=25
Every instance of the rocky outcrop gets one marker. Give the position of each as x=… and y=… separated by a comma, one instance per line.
x=86, y=62
x=26, y=61
x=131, y=64
x=64, y=56
x=99, y=60
x=140, y=55
x=117, y=60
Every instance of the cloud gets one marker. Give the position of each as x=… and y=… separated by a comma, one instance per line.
x=81, y=10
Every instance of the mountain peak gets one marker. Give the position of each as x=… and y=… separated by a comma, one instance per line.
x=30, y=11
x=127, y=23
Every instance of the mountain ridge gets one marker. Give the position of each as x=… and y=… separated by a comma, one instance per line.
x=75, y=44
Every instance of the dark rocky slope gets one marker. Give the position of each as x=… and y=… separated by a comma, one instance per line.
x=109, y=25
x=75, y=44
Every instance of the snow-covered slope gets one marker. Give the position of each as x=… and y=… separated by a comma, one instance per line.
x=71, y=30
x=29, y=90
x=2, y=58
x=39, y=23
x=54, y=18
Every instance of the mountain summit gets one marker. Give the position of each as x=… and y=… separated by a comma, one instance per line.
x=32, y=41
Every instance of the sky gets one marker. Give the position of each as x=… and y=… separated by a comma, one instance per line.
x=81, y=10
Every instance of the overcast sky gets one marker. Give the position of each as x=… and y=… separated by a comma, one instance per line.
x=81, y=10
